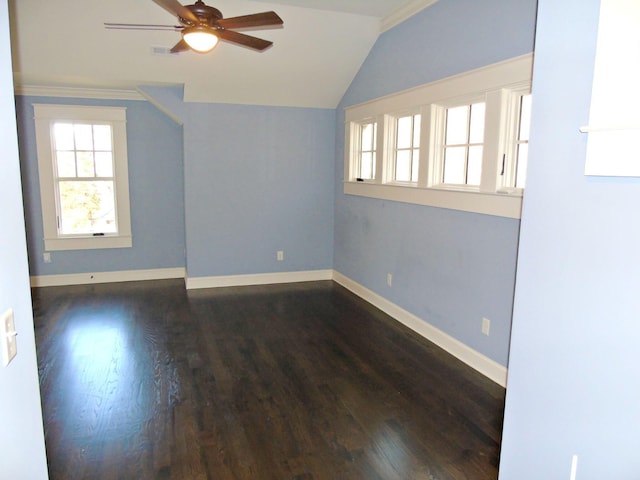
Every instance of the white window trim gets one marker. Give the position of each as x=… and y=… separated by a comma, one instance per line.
x=45, y=115
x=493, y=82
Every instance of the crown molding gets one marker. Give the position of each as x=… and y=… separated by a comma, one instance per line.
x=404, y=12
x=77, y=92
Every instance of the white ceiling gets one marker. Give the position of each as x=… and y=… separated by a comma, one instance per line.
x=62, y=43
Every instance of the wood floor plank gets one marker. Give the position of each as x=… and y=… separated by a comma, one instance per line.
x=145, y=380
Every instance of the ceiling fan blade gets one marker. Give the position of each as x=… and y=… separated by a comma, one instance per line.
x=247, y=21
x=181, y=46
x=141, y=26
x=242, y=39
x=178, y=9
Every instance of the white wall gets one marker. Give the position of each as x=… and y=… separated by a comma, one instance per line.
x=22, y=452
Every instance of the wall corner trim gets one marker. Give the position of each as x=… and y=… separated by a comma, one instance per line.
x=484, y=365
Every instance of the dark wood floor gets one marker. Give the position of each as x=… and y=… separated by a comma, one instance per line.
x=145, y=380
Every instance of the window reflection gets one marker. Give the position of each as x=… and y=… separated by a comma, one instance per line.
x=101, y=370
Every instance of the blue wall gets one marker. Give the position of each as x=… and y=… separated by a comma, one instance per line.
x=573, y=368
x=258, y=180
x=450, y=268
x=248, y=181
x=156, y=189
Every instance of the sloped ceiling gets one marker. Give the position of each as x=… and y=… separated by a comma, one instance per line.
x=63, y=43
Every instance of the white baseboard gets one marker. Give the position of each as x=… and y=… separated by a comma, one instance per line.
x=483, y=364
x=258, y=279
x=107, y=277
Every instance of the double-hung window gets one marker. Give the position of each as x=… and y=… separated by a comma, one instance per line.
x=82, y=164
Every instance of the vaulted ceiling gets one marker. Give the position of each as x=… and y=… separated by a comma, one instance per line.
x=63, y=43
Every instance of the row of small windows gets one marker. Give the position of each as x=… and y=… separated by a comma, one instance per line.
x=456, y=142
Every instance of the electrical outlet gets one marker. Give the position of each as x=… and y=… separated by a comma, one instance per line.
x=8, y=337
x=46, y=256
x=389, y=279
x=280, y=255
x=486, y=325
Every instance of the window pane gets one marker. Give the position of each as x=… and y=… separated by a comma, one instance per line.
x=404, y=132
x=414, y=165
x=104, y=164
x=102, y=137
x=521, y=168
x=454, y=162
x=87, y=207
x=416, y=131
x=474, y=167
x=63, y=134
x=457, y=120
x=525, y=117
x=367, y=140
x=366, y=165
x=85, y=164
x=83, y=136
x=66, y=162
x=403, y=165
x=476, y=127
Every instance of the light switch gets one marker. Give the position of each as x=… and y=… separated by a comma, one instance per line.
x=8, y=337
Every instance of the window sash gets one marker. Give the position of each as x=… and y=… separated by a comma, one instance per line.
x=405, y=132
x=81, y=196
x=512, y=169
x=521, y=156
x=367, y=150
x=470, y=162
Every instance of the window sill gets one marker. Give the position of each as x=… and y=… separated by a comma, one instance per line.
x=87, y=243
x=497, y=204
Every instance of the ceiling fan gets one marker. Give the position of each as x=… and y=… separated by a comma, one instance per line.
x=202, y=26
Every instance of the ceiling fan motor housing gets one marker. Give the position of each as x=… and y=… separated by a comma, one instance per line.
x=207, y=16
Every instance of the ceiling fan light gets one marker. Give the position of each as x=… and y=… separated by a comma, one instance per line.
x=200, y=39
